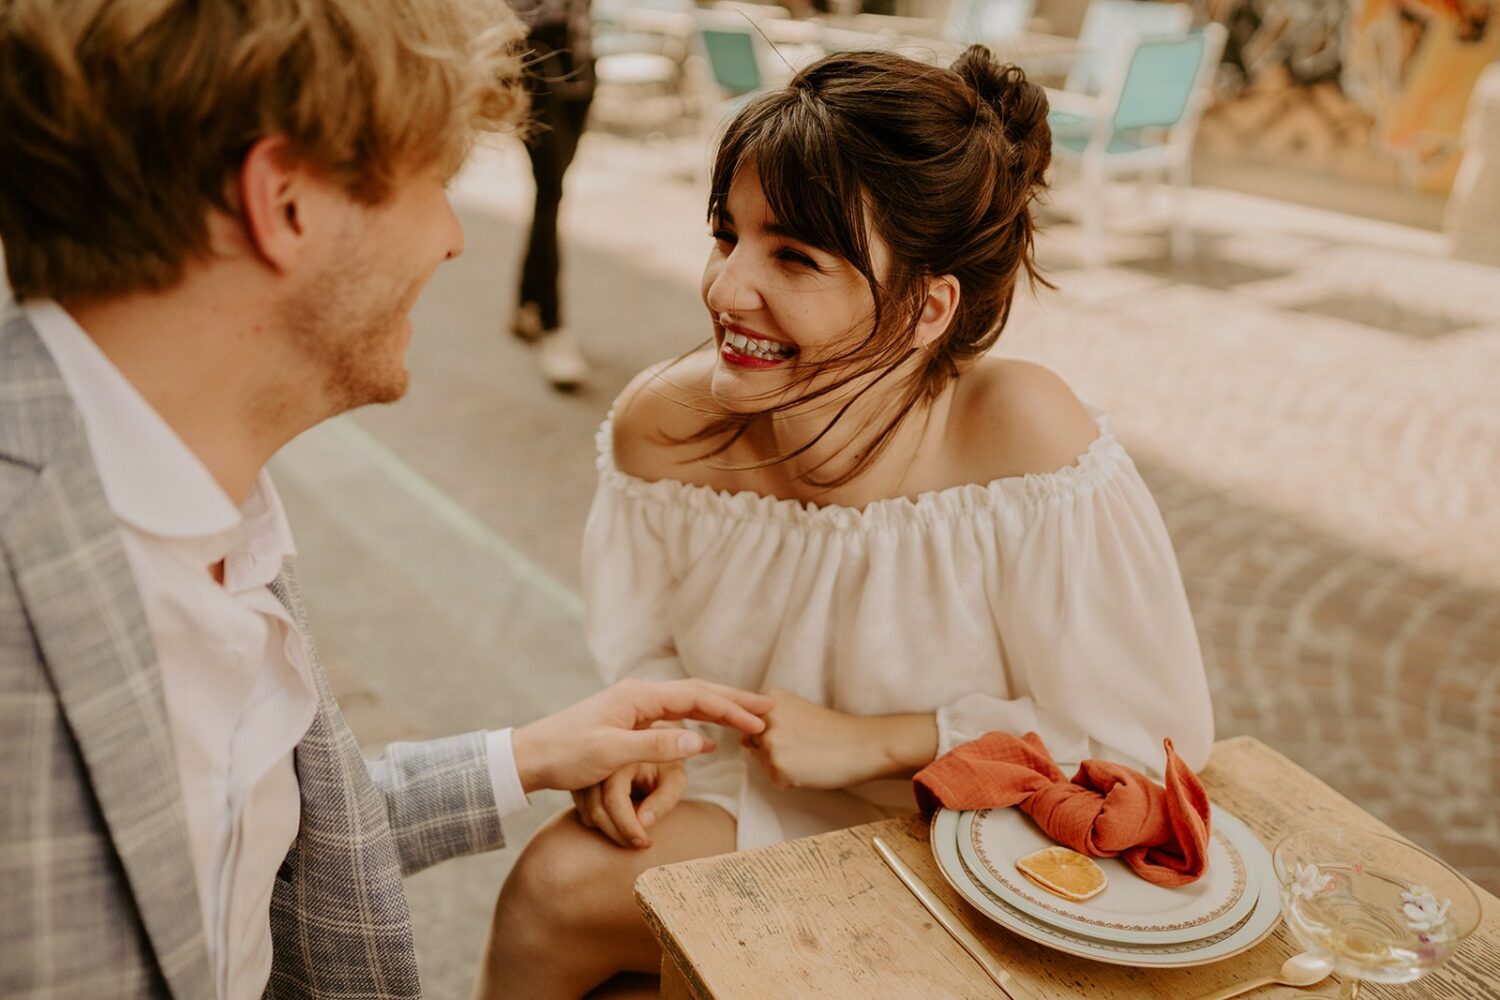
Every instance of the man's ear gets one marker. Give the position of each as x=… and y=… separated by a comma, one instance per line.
x=938, y=310
x=273, y=194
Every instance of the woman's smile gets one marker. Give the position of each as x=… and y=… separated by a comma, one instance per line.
x=747, y=349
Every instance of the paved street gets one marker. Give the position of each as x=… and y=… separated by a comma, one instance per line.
x=1311, y=397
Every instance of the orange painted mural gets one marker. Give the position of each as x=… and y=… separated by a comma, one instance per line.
x=1374, y=89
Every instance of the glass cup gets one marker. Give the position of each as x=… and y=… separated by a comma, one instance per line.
x=1377, y=908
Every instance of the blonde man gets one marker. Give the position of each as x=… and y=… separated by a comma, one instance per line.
x=216, y=216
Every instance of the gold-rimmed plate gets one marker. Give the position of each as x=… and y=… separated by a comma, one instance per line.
x=1264, y=915
x=1130, y=909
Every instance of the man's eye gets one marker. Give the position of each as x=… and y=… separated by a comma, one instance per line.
x=724, y=236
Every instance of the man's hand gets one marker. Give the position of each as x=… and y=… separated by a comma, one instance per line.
x=808, y=746
x=584, y=743
x=610, y=806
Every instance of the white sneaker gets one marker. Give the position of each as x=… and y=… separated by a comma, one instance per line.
x=527, y=323
x=560, y=360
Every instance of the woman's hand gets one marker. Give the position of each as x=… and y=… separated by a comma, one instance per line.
x=585, y=743
x=808, y=746
x=610, y=806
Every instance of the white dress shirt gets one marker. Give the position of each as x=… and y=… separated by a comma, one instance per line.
x=237, y=677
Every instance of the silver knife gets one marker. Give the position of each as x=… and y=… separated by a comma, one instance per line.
x=949, y=921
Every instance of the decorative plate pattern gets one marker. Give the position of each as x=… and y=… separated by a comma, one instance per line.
x=1129, y=909
x=1262, y=920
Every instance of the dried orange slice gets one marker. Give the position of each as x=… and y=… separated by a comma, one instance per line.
x=1064, y=873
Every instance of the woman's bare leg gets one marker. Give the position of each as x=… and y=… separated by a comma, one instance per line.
x=566, y=920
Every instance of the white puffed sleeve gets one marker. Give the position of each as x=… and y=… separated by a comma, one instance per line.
x=626, y=587
x=1099, y=647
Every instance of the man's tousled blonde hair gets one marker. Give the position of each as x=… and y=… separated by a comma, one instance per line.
x=123, y=123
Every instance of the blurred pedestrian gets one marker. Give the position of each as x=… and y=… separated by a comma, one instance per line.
x=560, y=81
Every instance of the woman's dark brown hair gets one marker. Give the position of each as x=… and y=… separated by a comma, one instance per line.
x=943, y=163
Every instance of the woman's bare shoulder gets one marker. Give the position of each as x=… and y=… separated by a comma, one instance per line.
x=661, y=406
x=1017, y=418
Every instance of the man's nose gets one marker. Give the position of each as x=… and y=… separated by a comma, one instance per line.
x=455, y=232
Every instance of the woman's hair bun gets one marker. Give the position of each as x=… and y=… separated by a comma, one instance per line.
x=1019, y=105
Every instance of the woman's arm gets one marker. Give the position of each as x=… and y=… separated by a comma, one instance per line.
x=808, y=746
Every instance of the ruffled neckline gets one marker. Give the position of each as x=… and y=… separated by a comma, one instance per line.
x=1014, y=493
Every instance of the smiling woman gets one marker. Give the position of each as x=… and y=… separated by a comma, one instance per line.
x=845, y=501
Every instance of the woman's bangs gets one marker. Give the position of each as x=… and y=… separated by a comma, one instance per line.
x=800, y=181
x=800, y=175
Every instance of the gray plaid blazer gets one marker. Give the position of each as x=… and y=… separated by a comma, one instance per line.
x=97, y=895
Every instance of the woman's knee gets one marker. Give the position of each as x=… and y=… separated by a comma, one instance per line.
x=571, y=876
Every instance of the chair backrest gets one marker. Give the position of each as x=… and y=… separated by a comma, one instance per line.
x=1107, y=23
x=987, y=20
x=1162, y=82
x=754, y=11
x=731, y=57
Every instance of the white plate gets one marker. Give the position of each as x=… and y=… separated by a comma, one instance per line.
x=1262, y=920
x=1130, y=909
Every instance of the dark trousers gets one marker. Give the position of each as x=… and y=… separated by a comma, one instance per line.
x=558, y=114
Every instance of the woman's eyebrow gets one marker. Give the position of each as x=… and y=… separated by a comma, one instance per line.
x=785, y=232
x=781, y=231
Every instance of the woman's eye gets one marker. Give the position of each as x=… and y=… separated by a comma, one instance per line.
x=797, y=257
x=724, y=236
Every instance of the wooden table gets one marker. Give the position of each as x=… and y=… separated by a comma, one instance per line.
x=824, y=917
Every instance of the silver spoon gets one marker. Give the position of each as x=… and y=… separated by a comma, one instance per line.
x=1299, y=970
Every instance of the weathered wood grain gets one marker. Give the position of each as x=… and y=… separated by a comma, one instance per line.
x=824, y=917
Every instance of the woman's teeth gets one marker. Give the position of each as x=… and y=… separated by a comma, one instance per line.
x=766, y=350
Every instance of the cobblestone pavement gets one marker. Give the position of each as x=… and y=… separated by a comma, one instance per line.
x=1318, y=417
x=1310, y=395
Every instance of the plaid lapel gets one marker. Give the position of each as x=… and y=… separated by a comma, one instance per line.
x=64, y=549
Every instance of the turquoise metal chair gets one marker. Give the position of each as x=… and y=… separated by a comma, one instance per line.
x=732, y=57
x=1106, y=23
x=1142, y=124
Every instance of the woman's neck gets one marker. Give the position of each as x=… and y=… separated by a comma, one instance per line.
x=896, y=471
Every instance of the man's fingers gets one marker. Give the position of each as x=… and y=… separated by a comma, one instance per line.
x=583, y=803
x=705, y=701
x=605, y=824
x=621, y=810
x=663, y=798
x=656, y=746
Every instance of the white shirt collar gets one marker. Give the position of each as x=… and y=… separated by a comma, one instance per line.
x=152, y=480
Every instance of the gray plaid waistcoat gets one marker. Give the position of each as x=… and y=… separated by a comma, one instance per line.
x=97, y=893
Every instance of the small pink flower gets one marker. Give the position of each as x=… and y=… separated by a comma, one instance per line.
x=1308, y=882
x=1422, y=910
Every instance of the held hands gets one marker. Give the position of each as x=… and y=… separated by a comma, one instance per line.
x=610, y=806
x=587, y=742
x=808, y=746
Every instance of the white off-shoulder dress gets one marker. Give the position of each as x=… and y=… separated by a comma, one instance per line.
x=1048, y=602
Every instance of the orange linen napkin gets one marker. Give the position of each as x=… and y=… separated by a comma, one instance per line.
x=1107, y=810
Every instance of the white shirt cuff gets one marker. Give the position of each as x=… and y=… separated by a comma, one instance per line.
x=510, y=798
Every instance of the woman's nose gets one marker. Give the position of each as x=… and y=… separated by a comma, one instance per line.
x=734, y=286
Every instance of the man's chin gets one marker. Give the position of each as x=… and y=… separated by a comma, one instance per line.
x=393, y=388
x=372, y=390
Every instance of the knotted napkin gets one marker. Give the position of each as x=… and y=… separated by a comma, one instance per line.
x=1108, y=810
